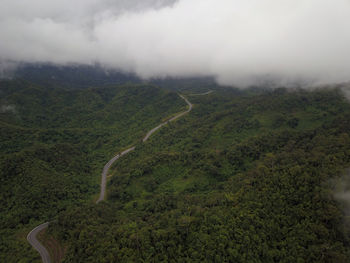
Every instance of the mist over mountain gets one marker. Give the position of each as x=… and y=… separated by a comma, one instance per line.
x=175, y=131
x=237, y=42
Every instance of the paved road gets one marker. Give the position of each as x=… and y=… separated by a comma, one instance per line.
x=201, y=94
x=32, y=235
x=172, y=119
x=105, y=173
x=109, y=164
x=37, y=245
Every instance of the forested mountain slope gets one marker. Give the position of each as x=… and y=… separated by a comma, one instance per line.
x=54, y=144
x=243, y=178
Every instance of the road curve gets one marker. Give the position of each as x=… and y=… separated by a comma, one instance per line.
x=109, y=164
x=32, y=234
x=201, y=94
x=31, y=237
x=105, y=172
x=172, y=119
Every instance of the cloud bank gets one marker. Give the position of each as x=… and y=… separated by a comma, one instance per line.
x=240, y=42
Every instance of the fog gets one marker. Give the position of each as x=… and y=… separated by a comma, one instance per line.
x=342, y=192
x=239, y=42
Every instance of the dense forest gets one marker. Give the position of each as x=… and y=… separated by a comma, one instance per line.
x=247, y=176
x=54, y=144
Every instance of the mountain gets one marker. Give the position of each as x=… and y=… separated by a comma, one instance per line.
x=82, y=76
x=73, y=76
x=255, y=175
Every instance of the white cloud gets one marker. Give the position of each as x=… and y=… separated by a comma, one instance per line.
x=8, y=108
x=238, y=41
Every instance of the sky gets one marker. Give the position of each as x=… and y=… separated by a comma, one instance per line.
x=239, y=42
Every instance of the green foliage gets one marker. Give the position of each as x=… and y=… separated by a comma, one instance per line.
x=54, y=144
x=245, y=177
x=242, y=178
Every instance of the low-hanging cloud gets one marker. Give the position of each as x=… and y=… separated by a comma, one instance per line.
x=239, y=42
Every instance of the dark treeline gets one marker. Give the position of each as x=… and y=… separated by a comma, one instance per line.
x=82, y=76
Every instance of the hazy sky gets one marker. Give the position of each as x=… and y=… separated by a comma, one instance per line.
x=237, y=41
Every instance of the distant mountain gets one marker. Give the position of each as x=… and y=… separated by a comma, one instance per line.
x=78, y=76
x=82, y=76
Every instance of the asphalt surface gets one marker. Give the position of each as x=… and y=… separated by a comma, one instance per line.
x=172, y=119
x=37, y=245
x=105, y=172
x=201, y=94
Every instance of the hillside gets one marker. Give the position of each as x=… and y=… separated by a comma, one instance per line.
x=54, y=144
x=242, y=178
x=247, y=176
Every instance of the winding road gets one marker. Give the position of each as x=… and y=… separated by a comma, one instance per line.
x=109, y=164
x=172, y=119
x=105, y=173
x=32, y=234
x=201, y=94
x=31, y=237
